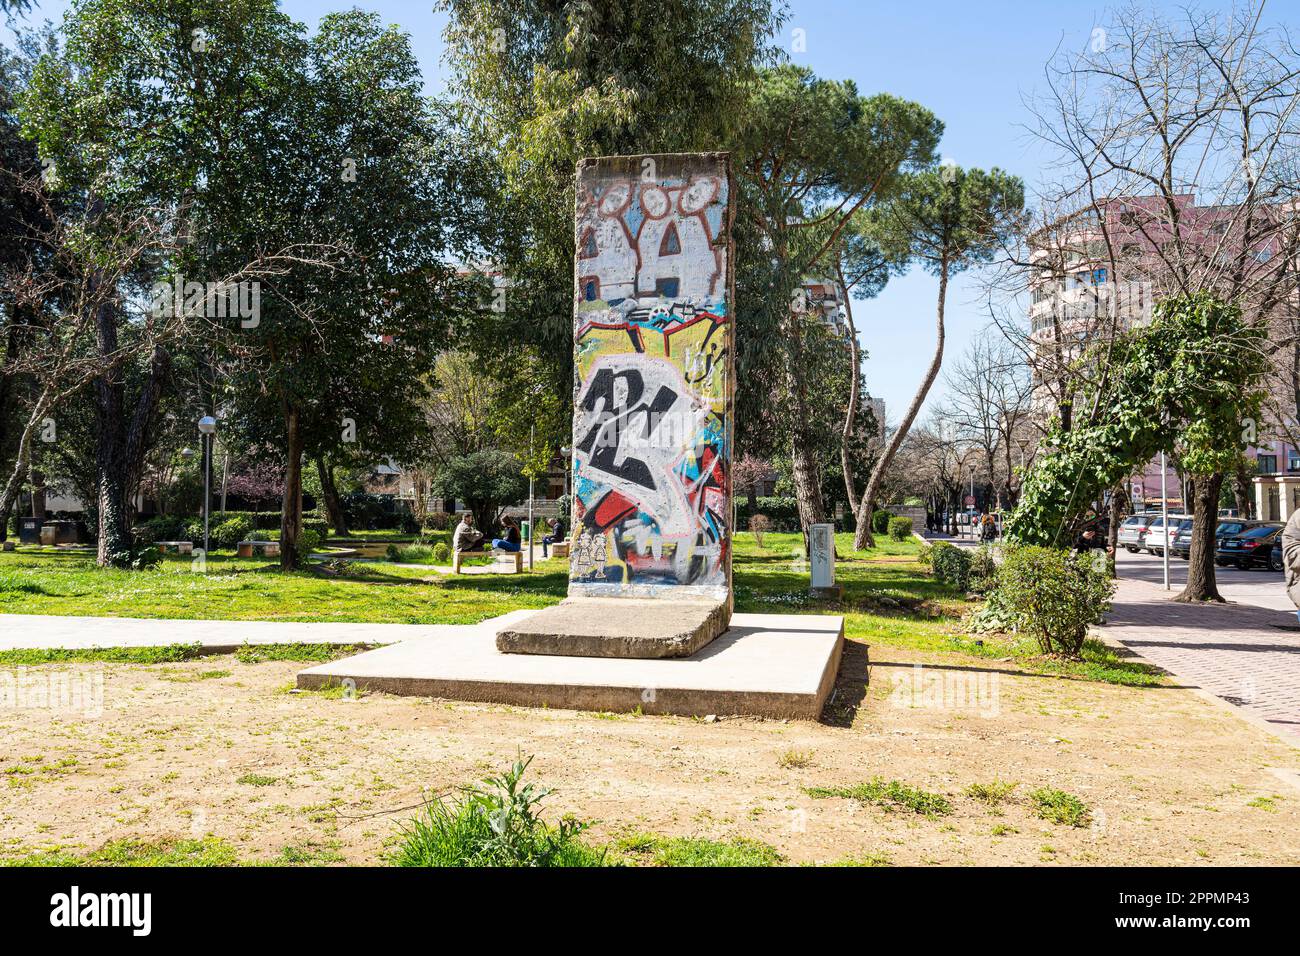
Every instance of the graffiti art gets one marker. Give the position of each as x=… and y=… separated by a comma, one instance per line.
x=653, y=377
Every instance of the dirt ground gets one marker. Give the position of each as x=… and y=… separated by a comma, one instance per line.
x=220, y=747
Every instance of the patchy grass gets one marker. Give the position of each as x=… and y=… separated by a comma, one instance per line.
x=795, y=759
x=647, y=849
x=170, y=654
x=890, y=794
x=1265, y=803
x=1060, y=807
x=991, y=794
x=258, y=780
x=210, y=851
x=317, y=653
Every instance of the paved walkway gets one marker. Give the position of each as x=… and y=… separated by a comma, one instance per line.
x=28, y=631
x=1240, y=652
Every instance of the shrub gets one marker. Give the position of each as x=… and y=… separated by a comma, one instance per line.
x=880, y=522
x=925, y=555
x=951, y=564
x=136, y=559
x=983, y=571
x=900, y=528
x=308, y=541
x=1054, y=595
x=783, y=513
x=162, y=528
x=228, y=533
x=437, y=521
x=494, y=825
x=442, y=552
x=759, y=525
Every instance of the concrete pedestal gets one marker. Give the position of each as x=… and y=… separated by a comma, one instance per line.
x=765, y=665
x=617, y=627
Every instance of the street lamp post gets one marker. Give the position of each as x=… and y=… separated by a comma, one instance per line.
x=208, y=428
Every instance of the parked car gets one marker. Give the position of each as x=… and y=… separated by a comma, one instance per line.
x=1133, y=530
x=1160, y=535
x=1251, y=548
x=1225, y=527
x=1275, y=556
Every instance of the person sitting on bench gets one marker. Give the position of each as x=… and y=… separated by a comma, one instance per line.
x=465, y=538
x=556, y=536
x=511, y=541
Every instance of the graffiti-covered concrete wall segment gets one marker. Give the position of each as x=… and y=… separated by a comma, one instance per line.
x=653, y=378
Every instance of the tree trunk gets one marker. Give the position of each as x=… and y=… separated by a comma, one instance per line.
x=863, y=538
x=1201, y=583
x=338, y=518
x=1117, y=502
x=851, y=415
x=803, y=450
x=291, y=509
x=1243, y=492
x=110, y=446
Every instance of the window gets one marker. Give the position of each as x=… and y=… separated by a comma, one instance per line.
x=1267, y=464
x=667, y=288
x=671, y=244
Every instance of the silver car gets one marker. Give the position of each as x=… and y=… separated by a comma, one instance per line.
x=1132, y=532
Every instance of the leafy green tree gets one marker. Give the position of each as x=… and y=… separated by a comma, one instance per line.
x=538, y=86
x=947, y=220
x=353, y=163
x=811, y=154
x=485, y=480
x=1189, y=382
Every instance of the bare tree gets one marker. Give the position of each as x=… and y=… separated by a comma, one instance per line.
x=1176, y=147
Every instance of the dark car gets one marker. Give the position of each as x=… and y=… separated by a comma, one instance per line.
x=1275, y=556
x=1250, y=548
x=1182, y=545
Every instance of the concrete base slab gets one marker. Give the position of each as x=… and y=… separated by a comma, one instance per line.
x=765, y=665
x=617, y=627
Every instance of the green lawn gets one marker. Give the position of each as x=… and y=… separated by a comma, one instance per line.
x=889, y=599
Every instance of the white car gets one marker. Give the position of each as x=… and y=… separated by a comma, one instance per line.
x=1160, y=535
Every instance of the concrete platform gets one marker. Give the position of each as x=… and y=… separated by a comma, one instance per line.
x=765, y=665
x=617, y=627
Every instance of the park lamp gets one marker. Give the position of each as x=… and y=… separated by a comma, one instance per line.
x=208, y=427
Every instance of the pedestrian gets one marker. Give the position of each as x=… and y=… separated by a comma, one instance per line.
x=1088, y=539
x=1291, y=558
x=511, y=541
x=555, y=537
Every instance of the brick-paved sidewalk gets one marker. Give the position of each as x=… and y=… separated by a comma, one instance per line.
x=1246, y=655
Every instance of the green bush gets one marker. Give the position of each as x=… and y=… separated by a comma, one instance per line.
x=782, y=513
x=951, y=564
x=442, y=552
x=308, y=541
x=880, y=522
x=162, y=528
x=494, y=825
x=900, y=528
x=925, y=554
x=983, y=571
x=1054, y=595
x=228, y=533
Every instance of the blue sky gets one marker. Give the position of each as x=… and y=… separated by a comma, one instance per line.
x=971, y=63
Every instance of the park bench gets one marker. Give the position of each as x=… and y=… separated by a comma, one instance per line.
x=175, y=547
x=267, y=549
x=560, y=549
x=518, y=556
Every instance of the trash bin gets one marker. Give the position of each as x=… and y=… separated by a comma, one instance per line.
x=525, y=530
x=29, y=530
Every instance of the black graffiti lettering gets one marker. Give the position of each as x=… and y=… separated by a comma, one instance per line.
x=603, y=439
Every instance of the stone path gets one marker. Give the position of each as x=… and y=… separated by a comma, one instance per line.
x=1241, y=653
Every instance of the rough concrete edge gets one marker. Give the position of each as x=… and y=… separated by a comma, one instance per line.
x=676, y=646
x=666, y=702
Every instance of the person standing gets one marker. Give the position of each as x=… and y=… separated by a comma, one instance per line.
x=1291, y=558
